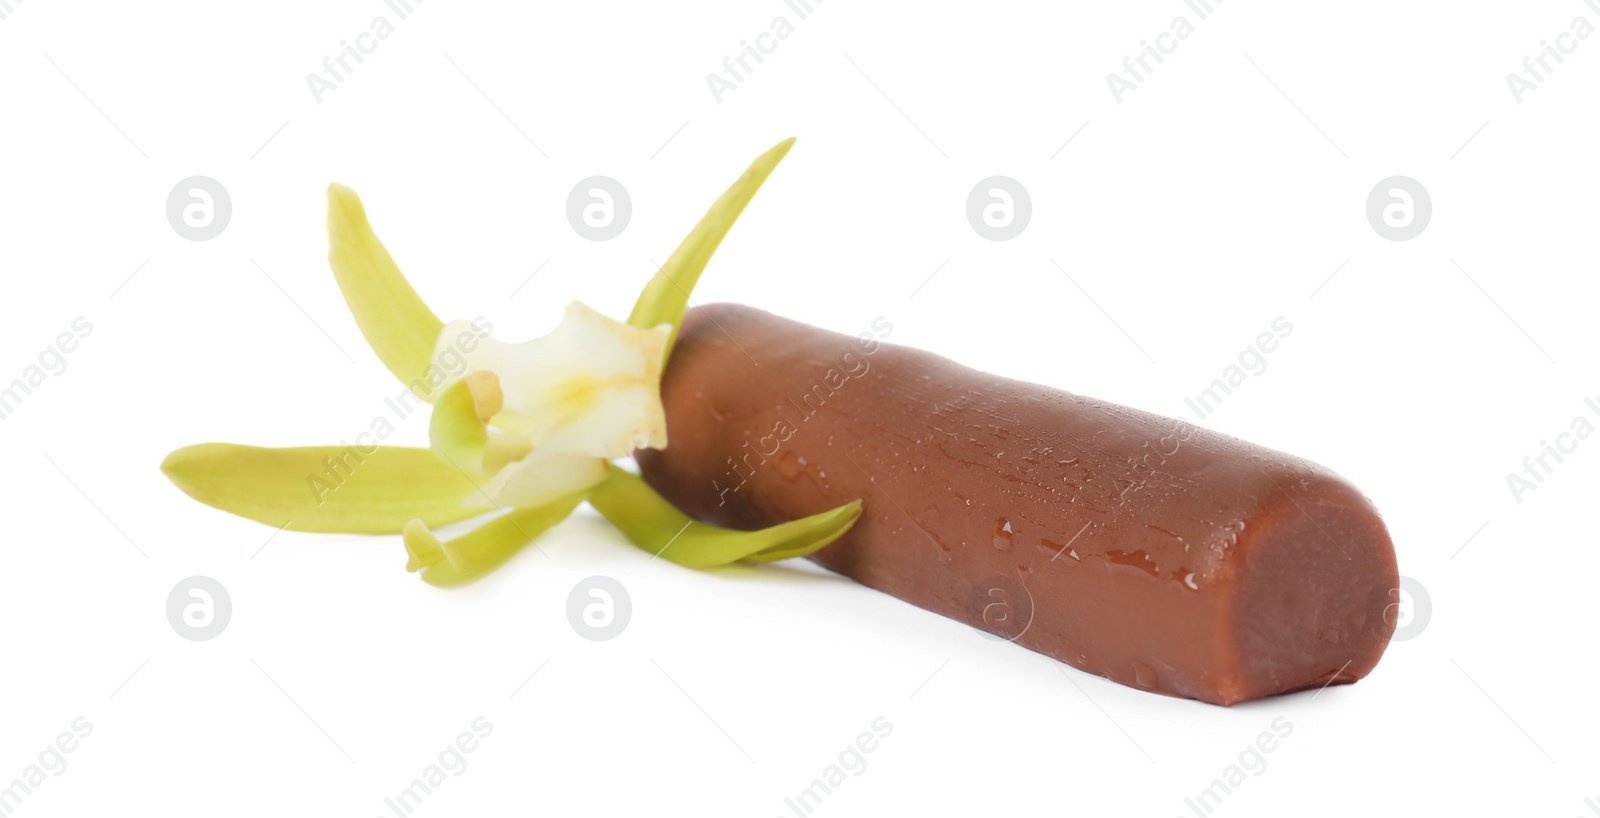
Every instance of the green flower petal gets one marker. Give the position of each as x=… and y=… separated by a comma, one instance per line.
x=456, y=432
x=326, y=488
x=655, y=525
x=470, y=556
x=666, y=297
x=397, y=324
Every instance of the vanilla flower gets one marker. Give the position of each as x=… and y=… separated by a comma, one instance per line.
x=522, y=431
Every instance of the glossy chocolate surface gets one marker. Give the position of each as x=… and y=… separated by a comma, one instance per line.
x=1141, y=548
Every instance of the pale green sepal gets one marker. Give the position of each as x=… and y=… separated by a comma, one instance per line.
x=666, y=298
x=466, y=558
x=656, y=526
x=359, y=489
x=397, y=324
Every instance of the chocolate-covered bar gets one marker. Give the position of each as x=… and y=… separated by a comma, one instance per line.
x=1152, y=552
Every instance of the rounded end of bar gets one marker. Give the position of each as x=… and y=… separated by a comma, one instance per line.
x=1304, y=581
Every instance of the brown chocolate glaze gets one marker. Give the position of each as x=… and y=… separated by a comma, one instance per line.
x=1152, y=552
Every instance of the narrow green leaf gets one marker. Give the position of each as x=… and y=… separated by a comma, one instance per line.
x=656, y=526
x=666, y=297
x=396, y=322
x=472, y=555
x=326, y=488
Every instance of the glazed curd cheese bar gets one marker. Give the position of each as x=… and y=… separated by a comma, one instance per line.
x=1144, y=549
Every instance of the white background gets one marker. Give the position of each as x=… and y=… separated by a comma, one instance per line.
x=1222, y=193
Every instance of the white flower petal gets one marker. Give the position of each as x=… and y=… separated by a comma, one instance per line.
x=535, y=480
x=592, y=386
x=588, y=392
